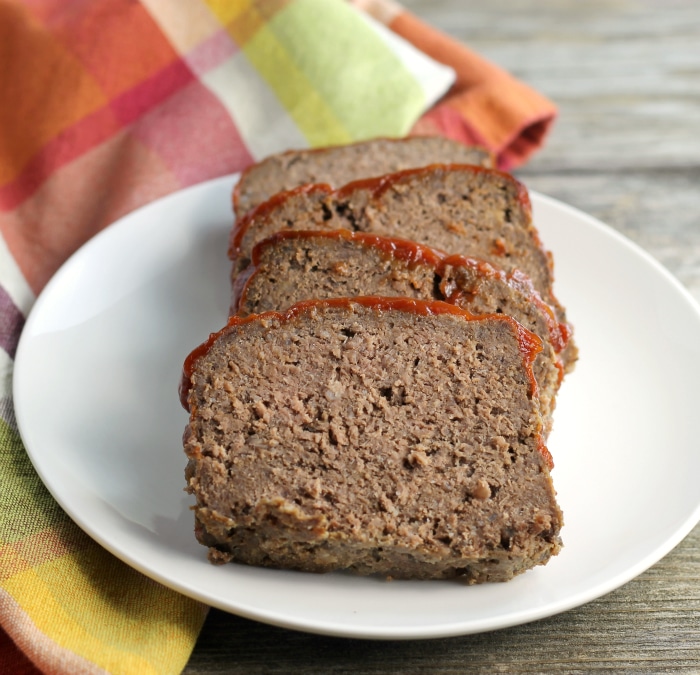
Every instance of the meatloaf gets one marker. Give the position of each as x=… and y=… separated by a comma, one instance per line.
x=373, y=435
x=343, y=164
x=462, y=209
x=293, y=265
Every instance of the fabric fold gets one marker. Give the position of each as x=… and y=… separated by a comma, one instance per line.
x=486, y=105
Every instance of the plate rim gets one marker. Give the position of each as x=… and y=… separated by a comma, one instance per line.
x=266, y=615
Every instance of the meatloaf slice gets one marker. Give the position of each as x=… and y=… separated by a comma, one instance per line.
x=292, y=266
x=373, y=435
x=343, y=164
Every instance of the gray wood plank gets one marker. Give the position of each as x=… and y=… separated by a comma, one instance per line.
x=625, y=75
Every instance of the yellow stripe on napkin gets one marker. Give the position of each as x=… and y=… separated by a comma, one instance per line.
x=291, y=84
x=335, y=74
x=76, y=593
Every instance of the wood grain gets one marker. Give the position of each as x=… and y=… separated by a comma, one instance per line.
x=624, y=74
x=626, y=149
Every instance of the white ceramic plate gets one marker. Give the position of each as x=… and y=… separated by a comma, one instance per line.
x=95, y=389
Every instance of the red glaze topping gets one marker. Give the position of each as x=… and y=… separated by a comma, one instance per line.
x=544, y=451
x=529, y=344
x=414, y=254
x=392, y=247
x=559, y=333
x=376, y=186
x=241, y=226
x=315, y=151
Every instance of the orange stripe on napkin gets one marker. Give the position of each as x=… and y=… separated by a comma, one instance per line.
x=486, y=105
x=37, y=102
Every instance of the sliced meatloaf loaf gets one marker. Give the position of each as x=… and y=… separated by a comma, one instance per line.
x=462, y=209
x=292, y=266
x=372, y=435
x=343, y=164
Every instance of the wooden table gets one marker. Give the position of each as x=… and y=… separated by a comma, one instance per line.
x=626, y=149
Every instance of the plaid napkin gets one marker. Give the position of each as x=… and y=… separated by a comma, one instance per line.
x=105, y=106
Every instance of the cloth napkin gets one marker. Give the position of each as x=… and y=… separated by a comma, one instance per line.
x=105, y=106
